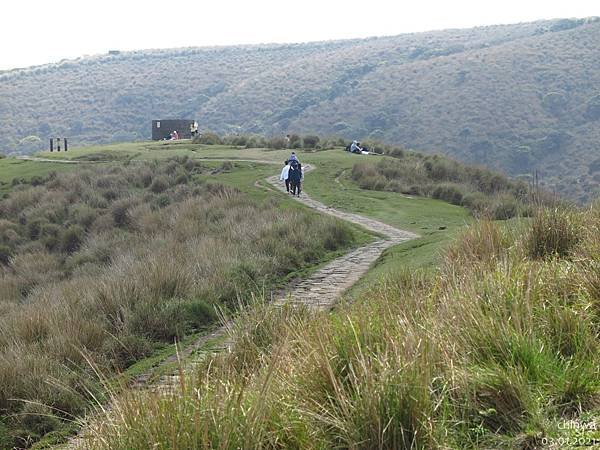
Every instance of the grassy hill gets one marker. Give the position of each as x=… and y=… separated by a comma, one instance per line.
x=110, y=259
x=515, y=97
x=139, y=242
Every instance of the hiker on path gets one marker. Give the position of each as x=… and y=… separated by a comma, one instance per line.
x=285, y=175
x=295, y=176
x=293, y=157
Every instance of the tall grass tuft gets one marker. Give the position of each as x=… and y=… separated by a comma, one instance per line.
x=554, y=232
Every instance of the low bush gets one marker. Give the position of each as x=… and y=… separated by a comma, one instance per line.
x=207, y=138
x=5, y=254
x=450, y=193
x=159, y=184
x=277, y=143
x=505, y=207
x=554, y=232
x=310, y=141
x=72, y=238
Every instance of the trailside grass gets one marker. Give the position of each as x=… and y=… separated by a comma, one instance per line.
x=496, y=349
x=434, y=220
x=103, y=263
x=16, y=171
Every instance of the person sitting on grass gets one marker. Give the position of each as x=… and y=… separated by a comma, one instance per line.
x=285, y=175
x=355, y=147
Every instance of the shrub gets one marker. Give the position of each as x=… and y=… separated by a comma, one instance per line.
x=277, y=142
x=505, y=207
x=36, y=180
x=553, y=232
x=395, y=152
x=476, y=202
x=199, y=313
x=375, y=183
x=5, y=254
x=126, y=350
x=237, y=141
x=207, y=138
x=310, y=141
x=120, y=213
x=361, y=170
x=39, y=418
x=49, y=235
x=34, y=228
x=72, y=238
x=160, y=184
x=295, y=141
x=448, y=192
x=145, y=177
x=84, y=215
x=182, y=178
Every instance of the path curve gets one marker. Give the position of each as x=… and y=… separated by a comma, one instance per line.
x=319, y=291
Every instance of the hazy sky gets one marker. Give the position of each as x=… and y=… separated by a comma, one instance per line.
x=41, y=31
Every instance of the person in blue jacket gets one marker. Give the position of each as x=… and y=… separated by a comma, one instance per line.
x=295, y=175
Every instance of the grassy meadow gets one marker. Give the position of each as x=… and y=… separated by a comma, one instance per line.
x=105, y=265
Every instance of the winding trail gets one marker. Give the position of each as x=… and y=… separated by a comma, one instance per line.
x=319, y=291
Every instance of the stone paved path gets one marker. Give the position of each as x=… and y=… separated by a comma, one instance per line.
x=318, y=291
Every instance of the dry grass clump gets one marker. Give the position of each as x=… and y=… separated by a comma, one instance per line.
x=554, y=232
x=494, y=351
x=109, y=281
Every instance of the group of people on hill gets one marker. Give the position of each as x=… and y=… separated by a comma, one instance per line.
x=292, y=174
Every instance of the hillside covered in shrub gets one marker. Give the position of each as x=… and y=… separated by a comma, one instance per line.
x=514, y=97
x=497, y=348
x=102, y=266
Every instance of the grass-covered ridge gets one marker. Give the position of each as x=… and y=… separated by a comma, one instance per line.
x=481, y=191
x=497, y=349
x=106, y=263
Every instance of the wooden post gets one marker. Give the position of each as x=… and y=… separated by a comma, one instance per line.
x=65, y=139
x=51, y=144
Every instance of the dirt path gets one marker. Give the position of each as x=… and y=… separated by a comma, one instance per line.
x=322, y=288
x=50, y=160
x=318, y=291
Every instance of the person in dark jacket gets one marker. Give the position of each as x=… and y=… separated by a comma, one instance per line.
x=295, y=176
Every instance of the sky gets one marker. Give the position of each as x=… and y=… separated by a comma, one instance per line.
x=42, y=31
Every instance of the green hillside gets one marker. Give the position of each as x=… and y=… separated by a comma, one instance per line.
x=107, y=261
x=514, y=97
